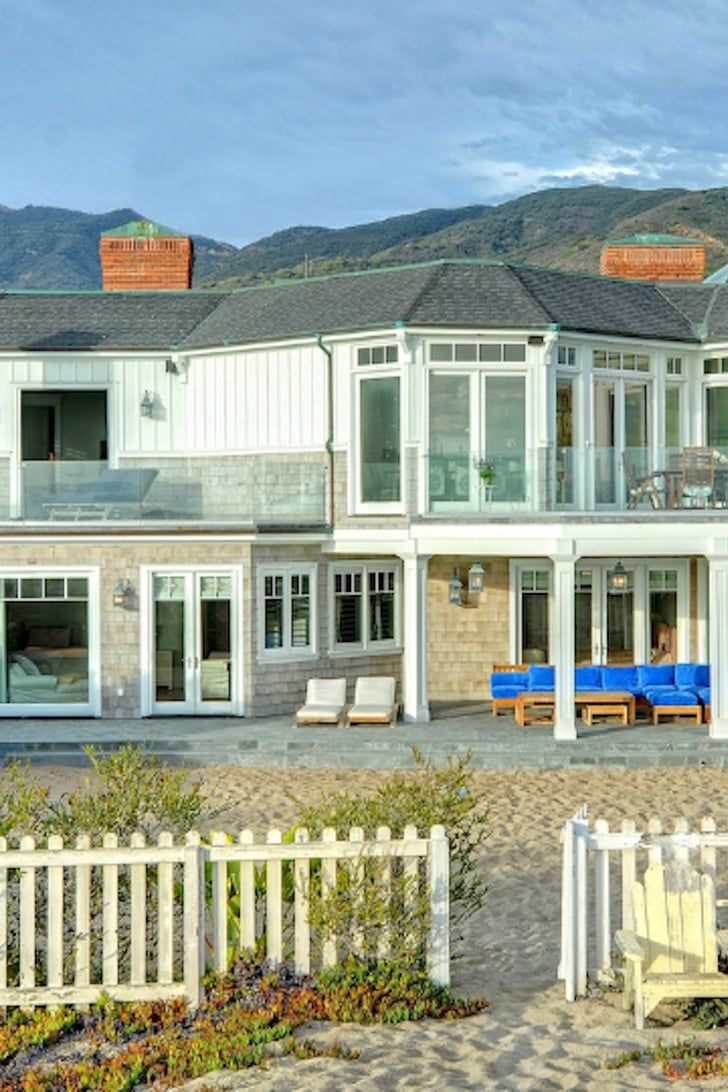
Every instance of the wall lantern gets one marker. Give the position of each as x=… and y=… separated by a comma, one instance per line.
x=617, y=579
x=171, y=366
x=147, y=404
x=476, y=579
x=455, y=589
x=124, y=595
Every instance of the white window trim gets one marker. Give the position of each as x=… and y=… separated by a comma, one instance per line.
x=357, y=505
x=365, y=647
x=91, y=707
x=287, y=653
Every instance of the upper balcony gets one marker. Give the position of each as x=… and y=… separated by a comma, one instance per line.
x=235, y=491
x=665, y=483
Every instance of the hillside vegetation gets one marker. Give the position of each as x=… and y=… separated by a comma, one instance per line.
x=558, y=228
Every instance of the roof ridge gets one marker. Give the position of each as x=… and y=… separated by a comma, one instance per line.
x=188, y=333
x=700, y=329
x=435, y=275
x=515, y=272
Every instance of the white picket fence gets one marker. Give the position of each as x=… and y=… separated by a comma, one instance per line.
x=49, y=958
x=600, y=867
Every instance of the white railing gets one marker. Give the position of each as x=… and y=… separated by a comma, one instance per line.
x=76, y=922
x=599, y=870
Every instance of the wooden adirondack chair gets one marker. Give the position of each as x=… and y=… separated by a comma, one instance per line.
x=673, y=952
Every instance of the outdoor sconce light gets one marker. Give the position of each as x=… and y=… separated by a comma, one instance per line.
x=171, y=367
x=147, y=404
x=124, y=595
x=617, y=578
x=476, y=579
x=455, y=589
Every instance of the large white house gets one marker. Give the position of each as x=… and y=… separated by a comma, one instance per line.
x=207, y=498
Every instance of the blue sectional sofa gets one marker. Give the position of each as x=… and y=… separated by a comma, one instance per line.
x=657, y=687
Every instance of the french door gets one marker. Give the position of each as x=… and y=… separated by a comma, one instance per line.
x=607, y=621
x=194, y=661
x=621, y=424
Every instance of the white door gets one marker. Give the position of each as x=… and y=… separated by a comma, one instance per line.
x=195, y=651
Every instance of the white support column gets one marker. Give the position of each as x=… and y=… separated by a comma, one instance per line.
x=562, y=644
x=414, y=624
x=718, y=645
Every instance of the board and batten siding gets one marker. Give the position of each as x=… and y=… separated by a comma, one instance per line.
x=242, y=402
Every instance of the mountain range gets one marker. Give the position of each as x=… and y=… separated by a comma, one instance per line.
x=52, y=248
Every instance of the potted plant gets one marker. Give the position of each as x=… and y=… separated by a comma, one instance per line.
x=486, y=470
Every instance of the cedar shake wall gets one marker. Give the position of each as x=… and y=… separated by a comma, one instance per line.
x=158, y=262
x=465, y=642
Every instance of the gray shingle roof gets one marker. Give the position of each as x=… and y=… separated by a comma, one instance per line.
x=110, y=320
x=605, y=305
x=459, y=293
x=319, y=305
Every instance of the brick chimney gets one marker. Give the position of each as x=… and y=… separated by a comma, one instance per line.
x=142, y=255
x=654, y=258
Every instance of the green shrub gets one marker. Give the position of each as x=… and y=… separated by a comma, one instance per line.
x=356, y=911
x=130, y=790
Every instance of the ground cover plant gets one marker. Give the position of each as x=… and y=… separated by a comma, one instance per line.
x=246, y=1015
x=685, y=1059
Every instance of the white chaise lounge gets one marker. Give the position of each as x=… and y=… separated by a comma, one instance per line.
x=325, y=701
x=373, y=701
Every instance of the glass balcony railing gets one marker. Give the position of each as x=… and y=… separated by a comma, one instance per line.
x=273, y=492
x=578, y=480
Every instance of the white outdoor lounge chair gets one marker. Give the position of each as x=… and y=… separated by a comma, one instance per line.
x=325, y=701
x=373, y=701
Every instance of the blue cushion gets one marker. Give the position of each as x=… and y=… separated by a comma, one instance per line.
x=620, y=678
x=541, y=677
x=505, y=691
x=652, y=693
x=649, y=675
x=508, y=680
x=588, y=678
x=703, y=693
x=676, y=697
x=689, y=675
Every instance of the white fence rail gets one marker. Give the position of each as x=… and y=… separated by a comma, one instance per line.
x=143, y=921
x=599, y=870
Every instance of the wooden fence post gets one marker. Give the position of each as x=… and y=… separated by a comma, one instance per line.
x=438, y=868
x=602, y=914
x=194, y=918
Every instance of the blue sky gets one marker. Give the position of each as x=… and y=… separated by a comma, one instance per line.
x=237, y=118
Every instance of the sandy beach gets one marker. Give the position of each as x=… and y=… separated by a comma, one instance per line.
x=529, y=1038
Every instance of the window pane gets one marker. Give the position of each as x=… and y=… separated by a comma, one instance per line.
x=441, y=353
x=31, y=588
x=381, y=616
x=466, y=353
x=348, y=619
x=717, y=411
x=380, y=440
x=77, y=587
x=514, y=353
x=449, y=465
x=273, y=623
x=363, y=356
x=55, y=588
x=505, y=435
x=672, y=416
x=378, y=354
x=11, y=588
x=300, y=622
x=491, y=353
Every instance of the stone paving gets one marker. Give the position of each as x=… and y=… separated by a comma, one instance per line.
x=494, y=743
